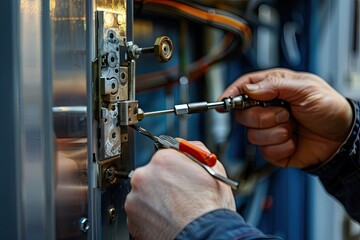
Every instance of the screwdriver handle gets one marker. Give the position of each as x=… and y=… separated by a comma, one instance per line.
x=199, y=154
x=275, y=102
x=243, y=102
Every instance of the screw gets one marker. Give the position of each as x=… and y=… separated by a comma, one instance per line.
x=110, y=175
x=112, y=214
x=84, y=224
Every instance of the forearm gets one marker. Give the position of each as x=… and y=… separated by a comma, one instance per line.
x=341, y=174
x=221, y=224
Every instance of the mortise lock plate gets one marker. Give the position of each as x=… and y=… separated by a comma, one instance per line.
x=111, y=90
x=115, y=105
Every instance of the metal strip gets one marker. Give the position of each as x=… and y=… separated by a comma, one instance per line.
x=91, y=141
x=10, y=132
x=47, y=128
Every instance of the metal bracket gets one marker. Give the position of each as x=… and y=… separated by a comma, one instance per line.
x=128, y=112
x=114, y=87
x=109, y=132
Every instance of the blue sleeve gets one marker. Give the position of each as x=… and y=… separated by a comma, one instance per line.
x=221, y=224
x=341, y=175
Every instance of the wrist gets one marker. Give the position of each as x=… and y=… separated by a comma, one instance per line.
x=346, y=148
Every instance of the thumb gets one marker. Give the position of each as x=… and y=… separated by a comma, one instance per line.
x=260, y=91
x=273, y=87
x=283, y=84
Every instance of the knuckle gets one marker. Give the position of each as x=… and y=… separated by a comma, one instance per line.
x=275, y=81
x=219, y=167
x=267, y=153
x=278, y=154
x=129, y=203
x=162, y=157
x=263, y=121
x=139, y=178
x=285, y=133
x=252, y=136
x=248, y=117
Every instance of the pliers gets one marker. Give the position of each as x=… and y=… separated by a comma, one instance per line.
x=201, y=157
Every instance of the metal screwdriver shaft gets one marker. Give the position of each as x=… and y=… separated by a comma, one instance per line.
x=148, y=114
x=187, y=108
x=226, y=105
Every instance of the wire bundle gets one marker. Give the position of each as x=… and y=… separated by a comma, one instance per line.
x=238, y=34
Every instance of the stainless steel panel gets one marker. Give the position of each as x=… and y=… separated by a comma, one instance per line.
x=35, y=121
x=69, y=99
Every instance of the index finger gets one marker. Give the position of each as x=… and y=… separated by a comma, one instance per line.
x=236, y=87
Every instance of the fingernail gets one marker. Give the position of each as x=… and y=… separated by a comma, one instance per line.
x=282, y=116
x=252, y=87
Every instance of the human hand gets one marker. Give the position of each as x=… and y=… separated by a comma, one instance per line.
x=171, y=191
x=319, y=122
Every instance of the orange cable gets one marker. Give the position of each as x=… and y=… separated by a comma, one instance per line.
x=207, y=16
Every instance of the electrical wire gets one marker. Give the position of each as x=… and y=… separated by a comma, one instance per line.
x=208, y=16
x=238, y=34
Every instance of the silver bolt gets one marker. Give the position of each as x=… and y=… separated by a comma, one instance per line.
x=84, y=224
x=112, y=214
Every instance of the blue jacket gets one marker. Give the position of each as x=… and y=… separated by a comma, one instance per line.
x=340, y=177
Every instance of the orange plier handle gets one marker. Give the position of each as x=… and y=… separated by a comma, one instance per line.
x=198, y=153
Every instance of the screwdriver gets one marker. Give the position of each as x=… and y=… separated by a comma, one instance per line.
x=227, y=104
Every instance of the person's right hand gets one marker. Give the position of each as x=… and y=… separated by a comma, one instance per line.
x=170, y=192
x=319, y=122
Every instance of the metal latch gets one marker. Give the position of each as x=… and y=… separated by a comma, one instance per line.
x=128, y=111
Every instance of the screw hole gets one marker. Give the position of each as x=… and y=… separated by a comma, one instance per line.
x=113, y=85
x=113, y=135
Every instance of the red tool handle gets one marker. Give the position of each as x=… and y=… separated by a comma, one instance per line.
x=199, y=154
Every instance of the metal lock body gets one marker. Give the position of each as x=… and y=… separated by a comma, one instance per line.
x=110, y=132
x=112, y=83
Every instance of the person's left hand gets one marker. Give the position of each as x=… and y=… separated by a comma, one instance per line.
x=170, y=192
